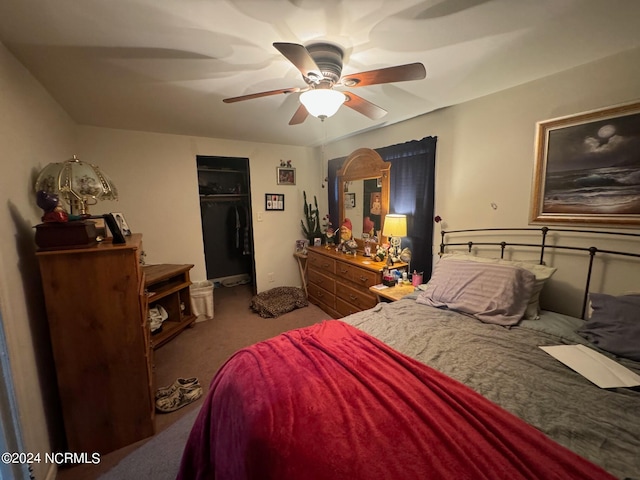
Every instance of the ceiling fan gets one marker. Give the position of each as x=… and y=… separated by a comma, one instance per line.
x=321, y=68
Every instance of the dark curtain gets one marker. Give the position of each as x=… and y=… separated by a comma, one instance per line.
x=332, y=174
x=412, y=192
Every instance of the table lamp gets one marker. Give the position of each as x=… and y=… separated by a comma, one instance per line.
x=395, y=227
x=78, y=183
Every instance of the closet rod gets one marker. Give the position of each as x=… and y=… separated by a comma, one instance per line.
x=223, y=198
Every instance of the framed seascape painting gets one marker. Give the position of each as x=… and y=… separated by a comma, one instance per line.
x=587, y=168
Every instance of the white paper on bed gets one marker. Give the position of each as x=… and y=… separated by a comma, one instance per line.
x=594, y=366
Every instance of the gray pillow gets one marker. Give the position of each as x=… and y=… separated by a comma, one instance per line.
x=492, y=293
x=614, y=325
x=542, y=273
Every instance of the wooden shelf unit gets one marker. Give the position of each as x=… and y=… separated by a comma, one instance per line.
x=96, y=309
x=168, y=285
x=97, y=300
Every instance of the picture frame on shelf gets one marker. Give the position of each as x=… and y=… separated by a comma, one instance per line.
x=274, y=201
x=286, y=175
x=122, y=223
x=116, y=232
x=302, y=246
x=584, y=168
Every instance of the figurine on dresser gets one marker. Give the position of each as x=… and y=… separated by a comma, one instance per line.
x=347, y=244
x=346, y=230
x=50, y=204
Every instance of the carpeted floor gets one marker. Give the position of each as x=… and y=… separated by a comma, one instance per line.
x=157, y=459
x=199, y=352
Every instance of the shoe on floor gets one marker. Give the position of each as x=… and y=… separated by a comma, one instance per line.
x=180, y=382
x=179, y=398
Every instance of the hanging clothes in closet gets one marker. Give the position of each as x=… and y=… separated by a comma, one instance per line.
x=238, y=228
x=227, y=238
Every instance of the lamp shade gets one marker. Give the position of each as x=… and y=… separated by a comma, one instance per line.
x=78, y=183
x=395, y=225
x=322, y=103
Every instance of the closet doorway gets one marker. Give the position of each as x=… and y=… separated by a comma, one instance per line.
x=225, y=210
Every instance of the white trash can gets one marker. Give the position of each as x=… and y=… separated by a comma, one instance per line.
x=202, y=300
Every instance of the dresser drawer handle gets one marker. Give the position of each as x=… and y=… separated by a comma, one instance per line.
x=325, y=265
x=320, y=281
x=352, y=297
x=363, y=279
x=342, y=270
x=320, y=294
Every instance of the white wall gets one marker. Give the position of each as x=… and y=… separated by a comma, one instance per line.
x=485, y=148
x=34, y=131
x=157, y=183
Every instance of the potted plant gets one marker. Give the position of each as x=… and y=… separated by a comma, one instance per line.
x=312, y=218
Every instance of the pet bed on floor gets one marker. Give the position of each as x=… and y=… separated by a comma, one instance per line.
x=273, y=303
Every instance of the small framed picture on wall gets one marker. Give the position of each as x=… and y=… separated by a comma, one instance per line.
x=375, y=206
x=349, y=200
x=286, y=176
x=274, y=201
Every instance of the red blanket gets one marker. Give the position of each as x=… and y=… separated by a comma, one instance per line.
x=331, y=402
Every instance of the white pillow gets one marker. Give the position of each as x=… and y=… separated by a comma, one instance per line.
x=541, y=272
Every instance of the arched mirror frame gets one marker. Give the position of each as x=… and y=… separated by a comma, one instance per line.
x=365, y=164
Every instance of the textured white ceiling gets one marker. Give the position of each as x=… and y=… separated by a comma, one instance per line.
x=166, y=65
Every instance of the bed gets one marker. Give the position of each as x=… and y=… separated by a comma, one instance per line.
x=441, y=384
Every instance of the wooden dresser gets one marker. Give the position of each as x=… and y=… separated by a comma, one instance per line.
x=339, y=283
x=97, y=311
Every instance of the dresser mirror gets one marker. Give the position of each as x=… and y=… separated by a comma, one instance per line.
x=363, y=183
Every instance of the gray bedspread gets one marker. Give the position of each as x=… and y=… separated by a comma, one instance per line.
x=505, y=365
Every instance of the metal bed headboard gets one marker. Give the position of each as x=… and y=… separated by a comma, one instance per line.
x=543, y=246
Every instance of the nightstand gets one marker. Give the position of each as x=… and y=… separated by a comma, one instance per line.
x=391, y=294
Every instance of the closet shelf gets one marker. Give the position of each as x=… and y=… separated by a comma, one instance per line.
x=220, y=170
x=224, y=195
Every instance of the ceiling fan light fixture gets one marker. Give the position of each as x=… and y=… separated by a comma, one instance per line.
x=322, y=103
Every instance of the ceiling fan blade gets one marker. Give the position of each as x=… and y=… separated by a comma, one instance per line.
x=261, y=94
x=400, y=73
x=363, y=106
x=300, y=116
x=300, y=57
